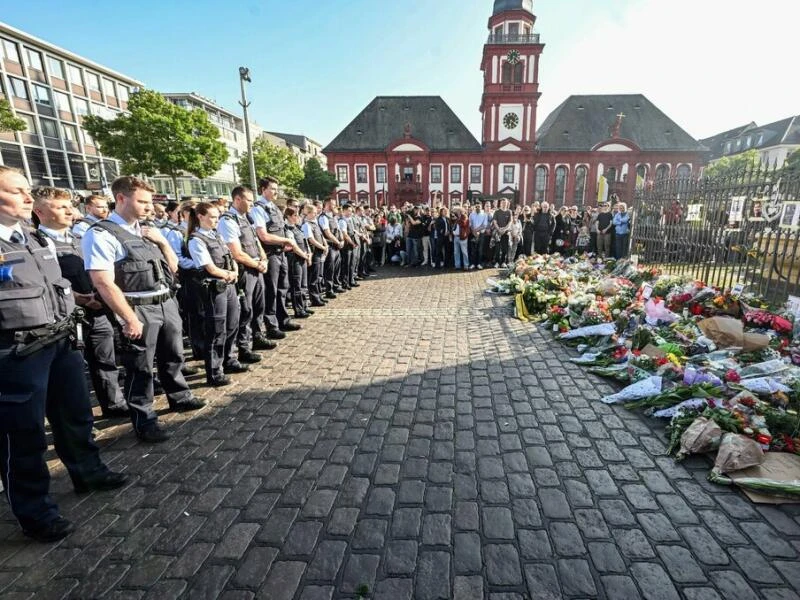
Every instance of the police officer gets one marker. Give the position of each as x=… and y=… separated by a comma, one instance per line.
x=130, y=266
x=328, y=225
x=237, y=232
x=53, y=210
x=298, y=264
x=96, y=210
x=348, y=235
x=271, y=231
x=319, y=248
x=42, y=374
x=214, y=282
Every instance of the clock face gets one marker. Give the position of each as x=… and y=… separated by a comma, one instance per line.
x=513, y=57
x=511, y=120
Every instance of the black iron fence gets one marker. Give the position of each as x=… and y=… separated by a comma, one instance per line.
x=743, y=228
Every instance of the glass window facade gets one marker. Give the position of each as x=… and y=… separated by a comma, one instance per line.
x=56, y=67
x=70, y=132
x=62, y=101
x=10, y=51
x=18, y=88
x=122, y=92
x=580, y=185
x=361, y=174
x=49, y=127
x=475, y=174
x=75, y=75
x=541, y=184
x=508, y=174
x=561, y=185
x=41, y=95
x=380, y=174
x=81, y=106
x=108, y=87
x=455, y=174
x=34, y=59
x=93, y=81
x=436, y=174
x=341, y=174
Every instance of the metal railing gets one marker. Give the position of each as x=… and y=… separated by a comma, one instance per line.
x=513, y=38
x=742, y=228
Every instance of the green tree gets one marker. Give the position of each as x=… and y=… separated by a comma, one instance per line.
x=156, y=136
x=317, y=182
x=728, y=166
x=793, y=160
x=273, y=161
x=8, y=122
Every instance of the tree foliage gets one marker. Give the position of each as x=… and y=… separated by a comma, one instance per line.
x=273, y=161
x=317, y=182
x=793, y=160
x=157, y=136
x=9, y=122
x=732, y=165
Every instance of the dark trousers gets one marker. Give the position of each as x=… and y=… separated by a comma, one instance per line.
x=192, y=311
x=355, y=261
x=346, y=268
x=377, y=255
x=593, y=242
x=276, y=283
x=296, y=273
x=49, y=382
x=621, y=243
x=501, y=249
x=251, y=307
x=332, y=267
x=475, y=250
x=161, y=341
x=541, y=242
x=439, y=244
x=221, y=324
x=100, y=356
x=315, y=281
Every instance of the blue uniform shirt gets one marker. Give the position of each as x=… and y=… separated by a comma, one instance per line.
x=79, y=229
x=199, y=251
x=101, y=249
x=228, y=229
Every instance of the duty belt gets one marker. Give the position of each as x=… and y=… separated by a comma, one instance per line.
x=150, y=300
x=29, y=341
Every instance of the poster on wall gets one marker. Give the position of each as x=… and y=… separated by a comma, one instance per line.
x=694, y=212
x=736, y=212
x=790, y=216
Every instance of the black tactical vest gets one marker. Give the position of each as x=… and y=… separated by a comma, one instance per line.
x=70, y=259
x=220, y=255
x=247, y=236
x=144, y=269
x=351, y=229
x=316, y=233
x=298, y=236
x=276, y=225
x=33, y=292
x=333, y=226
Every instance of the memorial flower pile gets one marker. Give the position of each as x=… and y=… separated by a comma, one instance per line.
x=684, y=350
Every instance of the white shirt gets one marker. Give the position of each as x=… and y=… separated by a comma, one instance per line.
x=59, y=236
x=393, y=232
x=6, y=232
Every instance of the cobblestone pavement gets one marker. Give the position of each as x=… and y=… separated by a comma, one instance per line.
x=414, y=441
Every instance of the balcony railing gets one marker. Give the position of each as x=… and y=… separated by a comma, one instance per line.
x=513, y=38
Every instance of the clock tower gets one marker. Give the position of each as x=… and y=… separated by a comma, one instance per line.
x=510, y=68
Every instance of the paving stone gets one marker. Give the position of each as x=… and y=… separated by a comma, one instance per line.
x=430, y=584
x=282, y=581
x=633, y=543
x=658, y=527
x=768, y=540
x=436, y=530
x=467, y=588
x=732, y=586
x=497, y=523
x=370, y=534
x=401, y=557
x=617, y=586
x=606, y=557
x=252, y=572
x=576, y=577
x=401, y=589
x=236, y=541
x=534, y=545
x=554, y=504
x=680, y=563
x=592, y=524
x=653, y=581
x=343, y=521
x=502, y=565
x=567, y=539
x=755, y=566
x=542, y=582
x=704, y=546
x=359, y=571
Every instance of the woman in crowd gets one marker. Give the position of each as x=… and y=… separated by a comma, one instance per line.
x=394, y=241
x=213, y=284
x=441, y=236
x=379, y=238
x=543, y=225
x=515, y=235
x=562, y=232
x=461, y=239
x=526, y=247
x=298, y=262
x=621, y=230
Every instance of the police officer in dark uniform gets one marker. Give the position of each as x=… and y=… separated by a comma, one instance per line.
x=271, y=230
x=131, y=268
x=42, y=373
x=347, y=251
x=298, y=263
x=236, y=230
x=53, y=210
x=328, y=225
x=214, y=282
x=319, y=249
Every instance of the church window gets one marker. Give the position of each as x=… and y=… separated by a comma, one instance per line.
x=508, y=72
x=611, y=175
x=475, y=174
x=662, y=172
x=380, y=174
x=561, y=185
x=361, y=174
x=519, y=72
x=580, y=185
x=508, y=174
x=436, y=173
x=341, y=174
x=541, y=184
x=684, y=171
x=641, y=171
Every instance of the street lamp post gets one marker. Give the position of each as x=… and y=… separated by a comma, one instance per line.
x=244, y=75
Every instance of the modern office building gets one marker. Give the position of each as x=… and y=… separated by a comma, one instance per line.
x=53, y=89
x=304, y=148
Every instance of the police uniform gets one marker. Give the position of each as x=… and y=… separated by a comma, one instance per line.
x=190, y=308
x=333, y=261
x=298, y=273
x=42, y=374
x=236, y=227
x=267, y=216
x=349, y=254
x=315, y=282
x=99, y=351
x=220, y=303
x=81, y=226
x=140, y=272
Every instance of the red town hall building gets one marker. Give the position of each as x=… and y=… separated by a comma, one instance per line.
x=415, y=149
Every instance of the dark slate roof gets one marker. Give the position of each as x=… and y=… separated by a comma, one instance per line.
x=716, y=143
x=582, y=122
x=291, y=138
x=383, y=121
x=785, y=131
x=504, y=5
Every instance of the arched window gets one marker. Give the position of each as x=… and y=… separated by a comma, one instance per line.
x=611, y=174
x=541, y=184
x=561, y=185
x=662, y=172
x=580, y=185
x=684, y=172
x=508, y=72
x=641, y=171
x=519, y=72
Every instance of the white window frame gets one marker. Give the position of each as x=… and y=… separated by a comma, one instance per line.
x=59, y=73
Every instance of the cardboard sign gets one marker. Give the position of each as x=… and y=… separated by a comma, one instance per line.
x=737, y=290
x=736, y=212
x=693, y=212
x=635, y=260
x=647, y=291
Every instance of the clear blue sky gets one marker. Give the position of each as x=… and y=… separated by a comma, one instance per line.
x=316, y=64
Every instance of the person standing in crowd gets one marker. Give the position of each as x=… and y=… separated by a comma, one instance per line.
x=501, y=226
x=561, y=233
x=441, y=237
x=394, y=240
x=53, y=210
x=42, y=374
x=575, y=222
x=461, y=239
x=622, y=230
x=543, y=226
x=604, y=225
x=271, y=231
x=96, y=210
x=414, y=237
x=159, y=214
x=319, y=249
x=379, y=239
x=477, y=227
x=527, y=231
x=214, y=283
x=591, y=223
x=131, y=267
x=514, y=235
x=346, y=229
x=236, y=230
x=329, y=226
x=426, y=221
x=299, y=261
